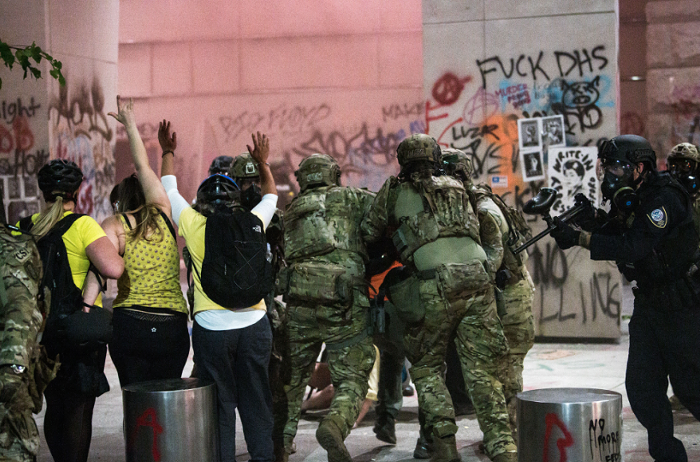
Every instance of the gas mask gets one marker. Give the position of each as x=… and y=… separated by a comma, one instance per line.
x=684, y=171
x=618, y=185
x=251, y=196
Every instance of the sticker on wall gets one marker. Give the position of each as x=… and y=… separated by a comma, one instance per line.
x=532, y=164
x=529, y=133
x=499, y=181
x=572, y=171
x=553, y=131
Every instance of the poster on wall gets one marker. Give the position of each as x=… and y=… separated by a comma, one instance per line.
x=572, y=171
x=553, y=131
x=529, y=133
x=532, y=164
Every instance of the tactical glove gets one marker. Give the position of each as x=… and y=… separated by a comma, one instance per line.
x=565, y=235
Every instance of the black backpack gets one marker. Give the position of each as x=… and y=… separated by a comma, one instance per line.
x=237, y=268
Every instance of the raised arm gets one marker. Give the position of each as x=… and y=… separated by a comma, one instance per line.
x=168, y=144
x=152, y=187
x=260, y=153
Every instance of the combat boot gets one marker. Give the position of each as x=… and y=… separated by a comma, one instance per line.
x=506, y=457
x=330, y=438
x=424, y=448
x=445, y=449
x=385, y=429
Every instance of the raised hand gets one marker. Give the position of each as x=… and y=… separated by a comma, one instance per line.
x=261, y=148
x=125, y=112
x=167, y=141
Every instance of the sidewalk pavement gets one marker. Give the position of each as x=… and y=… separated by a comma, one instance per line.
x=547, y=365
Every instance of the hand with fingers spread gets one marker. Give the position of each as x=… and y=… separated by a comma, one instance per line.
x=125, y=113
x=168, y=142
x=261, y=148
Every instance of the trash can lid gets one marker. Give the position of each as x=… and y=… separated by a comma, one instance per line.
x=568, y=395
x=167, y=385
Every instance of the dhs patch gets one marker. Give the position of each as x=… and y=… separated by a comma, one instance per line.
x=658, y=217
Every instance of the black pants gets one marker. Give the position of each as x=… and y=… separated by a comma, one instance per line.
x=663, y=344
x=389, y=393
x=68, y=424
x=237, y=361
x=148, y=347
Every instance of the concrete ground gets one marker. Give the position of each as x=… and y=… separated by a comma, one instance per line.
x=547, y=365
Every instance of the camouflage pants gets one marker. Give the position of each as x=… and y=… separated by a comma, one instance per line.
x=481, y=347
x=350, y=366
x=519, y=329
x=19, y=436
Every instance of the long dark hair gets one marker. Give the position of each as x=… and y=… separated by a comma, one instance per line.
x=130, y=198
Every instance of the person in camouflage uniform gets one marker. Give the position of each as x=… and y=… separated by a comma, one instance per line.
x=24, y=369
x=502, y=229
x=683, y=162
x=327, y=302
x=446, y=288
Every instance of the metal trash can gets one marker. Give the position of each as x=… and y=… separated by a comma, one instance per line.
x=572, y=424
x=170, y=421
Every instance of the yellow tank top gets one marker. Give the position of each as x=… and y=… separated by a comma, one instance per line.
x=151, y=275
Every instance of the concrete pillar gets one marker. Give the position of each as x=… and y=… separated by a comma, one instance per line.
x=673, y=76
x=41, y=120
x=489, y=63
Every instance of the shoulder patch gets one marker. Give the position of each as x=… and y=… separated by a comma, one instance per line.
x=658, y=217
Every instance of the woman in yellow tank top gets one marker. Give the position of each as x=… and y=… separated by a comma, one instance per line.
x=151, y=340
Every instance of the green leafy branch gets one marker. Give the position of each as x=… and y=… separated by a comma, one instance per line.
x=22, y=56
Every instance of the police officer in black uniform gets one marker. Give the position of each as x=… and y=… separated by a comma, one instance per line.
x=649, y=234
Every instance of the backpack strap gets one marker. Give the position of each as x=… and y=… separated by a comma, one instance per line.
x=126, y=220
x=170, y=225
x=26, y=223
x=60, y=229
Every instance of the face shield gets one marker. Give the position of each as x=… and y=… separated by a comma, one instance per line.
x=618, y=183
x=680, y=167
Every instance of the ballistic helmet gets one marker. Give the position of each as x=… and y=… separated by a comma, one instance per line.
x=220, y=165
x=244, y=166
x=627, y=148
x=683, y=163
x=457, y=163
x=218, y=190
x=685, y=152
x=318, y=170
x=418, y=147
x=59, y=178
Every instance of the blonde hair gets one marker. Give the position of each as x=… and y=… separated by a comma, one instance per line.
x=146, y=218
x=48, y=218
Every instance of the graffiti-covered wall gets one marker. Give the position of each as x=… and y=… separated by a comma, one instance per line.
x=519, y=86
x=40, y=120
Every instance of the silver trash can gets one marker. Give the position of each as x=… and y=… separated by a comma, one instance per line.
x=572, y=424
x=171, y=421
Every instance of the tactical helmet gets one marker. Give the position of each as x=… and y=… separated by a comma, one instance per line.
x=318, y=170
x=457, y=163
x=627, y=148
x=684, y=159
x=418, y=147
x=244, y=166
x=59, y=178
x=218, y=190
x=220, y=165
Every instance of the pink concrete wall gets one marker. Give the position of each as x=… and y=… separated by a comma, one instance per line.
x=344, y=78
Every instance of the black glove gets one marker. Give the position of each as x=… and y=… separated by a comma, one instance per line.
x=565, y=235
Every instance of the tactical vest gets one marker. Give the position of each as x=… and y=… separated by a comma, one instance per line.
x=672, y=257
x=425, y=210
x=324, y=219
x=518, y=230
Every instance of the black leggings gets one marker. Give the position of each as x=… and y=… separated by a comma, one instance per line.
x=68, y=424
x=148, y=346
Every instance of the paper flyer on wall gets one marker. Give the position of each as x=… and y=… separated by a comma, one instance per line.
x=572, y=171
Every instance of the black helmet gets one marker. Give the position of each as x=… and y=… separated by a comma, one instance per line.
x=220, y=165
x=628, y=148
x=59, y=178
x=218, y=190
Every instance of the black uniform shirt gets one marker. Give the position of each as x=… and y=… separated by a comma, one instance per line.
x=657, y=215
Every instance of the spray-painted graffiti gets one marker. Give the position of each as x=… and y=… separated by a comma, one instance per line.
x=448, y=88
x=553, y=421
x=82, y=135
x=397, y=110
x=149, y=420
x=604, y=445
x=281, y=119
x=9, y=110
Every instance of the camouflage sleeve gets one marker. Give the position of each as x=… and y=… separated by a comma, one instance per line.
x=491, y=238
x=376, y=219
x=21, y=317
